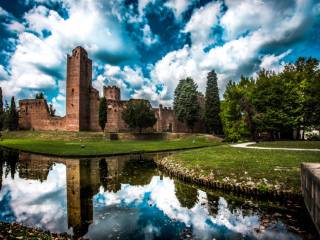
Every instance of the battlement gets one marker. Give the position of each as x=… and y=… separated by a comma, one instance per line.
x=112, y=93
x=79, y=51
x=34, y=105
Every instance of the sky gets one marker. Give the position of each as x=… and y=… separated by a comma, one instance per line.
x=146, y=46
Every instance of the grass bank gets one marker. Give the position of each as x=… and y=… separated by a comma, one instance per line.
x=290, y=144
x=262, y=170
x=94, y=144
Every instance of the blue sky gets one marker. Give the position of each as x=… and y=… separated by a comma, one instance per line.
x=146, y=46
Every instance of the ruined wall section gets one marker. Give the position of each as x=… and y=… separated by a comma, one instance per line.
x=115, y=122
x=94, y=110
x=34, y=114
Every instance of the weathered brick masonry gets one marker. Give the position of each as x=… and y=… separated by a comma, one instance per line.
x=82, y=105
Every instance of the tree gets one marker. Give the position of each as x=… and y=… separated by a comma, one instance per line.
x=40, y=95
x=6, y=116
x=52, y=111
x=212, y=105
x=102, y=113
x=13, y=116
x=186, y=105
x=138, y=114
x=1, y=110
x=234, y=125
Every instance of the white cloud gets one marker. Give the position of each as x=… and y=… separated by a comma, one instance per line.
x=273, y=62
x=3, y=73
x=126, y=78
x=202, y=22
x=178, y=6
x=3, y=13
x=148, y=37
x=235, y=57
x=142, y=4
x=15, y=26
x=38, y=55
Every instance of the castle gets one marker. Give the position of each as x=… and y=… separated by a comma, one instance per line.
x=82, y=105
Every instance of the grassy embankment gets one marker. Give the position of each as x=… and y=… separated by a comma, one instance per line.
x=290, y=144
x=93, y=144
x=251, y=168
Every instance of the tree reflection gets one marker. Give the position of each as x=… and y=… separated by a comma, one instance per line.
x=10, y=159
x=186, y=194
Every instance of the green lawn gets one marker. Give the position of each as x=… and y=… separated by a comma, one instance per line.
x=93, y=144
x=289, y=144
x=273, y=169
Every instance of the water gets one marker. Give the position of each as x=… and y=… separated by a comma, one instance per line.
x=127, y=197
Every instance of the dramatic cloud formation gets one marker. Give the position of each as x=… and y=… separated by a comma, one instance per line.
x=146, y=46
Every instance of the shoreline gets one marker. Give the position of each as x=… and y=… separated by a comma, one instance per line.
x=105, y=155
x=184, y=176
x=16, y=230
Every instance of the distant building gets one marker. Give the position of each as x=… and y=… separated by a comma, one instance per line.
x=82, y=105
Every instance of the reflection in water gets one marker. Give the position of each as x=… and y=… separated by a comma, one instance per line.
x=122, y=197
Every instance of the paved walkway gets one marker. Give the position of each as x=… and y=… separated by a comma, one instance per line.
x=246, y=145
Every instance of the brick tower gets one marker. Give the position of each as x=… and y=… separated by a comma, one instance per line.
x=111, y=93
x=79, y=78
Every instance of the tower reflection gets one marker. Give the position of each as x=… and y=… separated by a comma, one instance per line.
x=84, y=178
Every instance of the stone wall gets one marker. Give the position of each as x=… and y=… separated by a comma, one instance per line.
x=34, y=114
x=94, y=110
x=310, y=185
x=115, y=122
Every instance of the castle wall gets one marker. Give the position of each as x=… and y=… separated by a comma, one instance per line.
x=167, y=122
x=34, y=114
x=94, y=110
x=115, y=122
x=82, y=105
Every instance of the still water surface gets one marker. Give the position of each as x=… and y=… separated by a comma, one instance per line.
x=127, y=197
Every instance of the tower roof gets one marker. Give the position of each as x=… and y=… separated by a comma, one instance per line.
x=79, y=49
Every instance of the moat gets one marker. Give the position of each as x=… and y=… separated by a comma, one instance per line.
x=127, y=197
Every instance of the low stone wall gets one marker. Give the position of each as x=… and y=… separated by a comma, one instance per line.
x=154, y=136
x=310, y=186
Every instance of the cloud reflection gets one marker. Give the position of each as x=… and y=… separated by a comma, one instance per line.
x=160, y=194
x=36, y=203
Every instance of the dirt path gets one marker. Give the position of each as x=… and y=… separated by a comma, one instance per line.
x=246, y=145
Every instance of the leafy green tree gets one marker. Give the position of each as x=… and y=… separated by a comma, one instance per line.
x=186, y=105
x=212, y=105
x=1, y=110
x=270, y=102
x=103, y=113
x=13, y=116
x=234, y=125
x=308, y=78
x=138, y=114
x=275, y=104
x=40, y=95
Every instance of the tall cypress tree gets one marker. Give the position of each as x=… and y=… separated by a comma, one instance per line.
x=212, y=105
x=13, y=116
x=1, y=110
x=6, y=116
x=186, y=105
x=103, y=113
